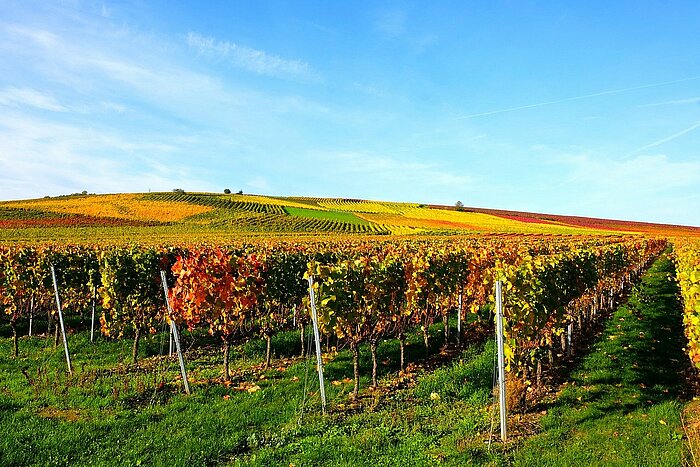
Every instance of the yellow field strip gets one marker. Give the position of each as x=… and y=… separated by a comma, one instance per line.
x=120, y=206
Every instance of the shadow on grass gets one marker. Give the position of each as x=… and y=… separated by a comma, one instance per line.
x=631, y=375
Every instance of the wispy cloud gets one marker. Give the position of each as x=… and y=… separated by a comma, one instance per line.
x=621, y=179
x=259, y=185
x=39, y=36
x=644, y=188
x=91, y=70
x=392, y=22
x=83, y=158
x=257, y=61
x=20, y=97
x=385, y=170
x=667, y=139
x=321, y=27
x=690, y=100
x=121, y=113
x=31, y=98
x=576, y=98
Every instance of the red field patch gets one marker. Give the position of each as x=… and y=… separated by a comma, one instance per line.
x=586, y=222
x=69, y=221
x=530, y=220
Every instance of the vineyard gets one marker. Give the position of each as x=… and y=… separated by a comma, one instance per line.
x=404, y=326
x=368, y=291
x=688, y=266
x=192, y=217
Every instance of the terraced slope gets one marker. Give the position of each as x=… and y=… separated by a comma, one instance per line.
x=248, y=213
x=207, y=215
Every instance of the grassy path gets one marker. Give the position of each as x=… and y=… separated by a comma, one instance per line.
x=621, y=406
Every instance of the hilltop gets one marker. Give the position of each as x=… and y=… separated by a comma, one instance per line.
x=187, y=216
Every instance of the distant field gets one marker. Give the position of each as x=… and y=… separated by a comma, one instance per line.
x=211, y=216
x=339, y=216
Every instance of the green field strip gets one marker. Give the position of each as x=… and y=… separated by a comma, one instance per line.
x=252, y=221
x=345, y=217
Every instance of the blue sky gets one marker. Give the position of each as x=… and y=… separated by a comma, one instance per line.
x=582, y=108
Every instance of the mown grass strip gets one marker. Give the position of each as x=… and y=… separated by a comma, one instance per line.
x=338, y=216
x=621, y=406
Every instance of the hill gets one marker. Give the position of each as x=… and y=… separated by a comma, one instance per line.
x=204, y=216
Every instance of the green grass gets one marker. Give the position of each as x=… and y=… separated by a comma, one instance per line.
x=408, y=428
x=113, y=413
x=621, y=406
x=338, y=216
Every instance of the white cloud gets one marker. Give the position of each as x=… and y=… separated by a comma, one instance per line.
x=296, y=104
x=39, y=36
x=372, y=168
x=38, y=157
x=690, y=100
x=171, y=86
x=94, y=70
x=31, y=98
x=578, y=98
x=392, y=23
x=18, y=97
x=372, y=175
x=634, y=177
x=103, y=71
x=259, y=185
x=257, y=61
x=113, y=107
x=666, y=139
